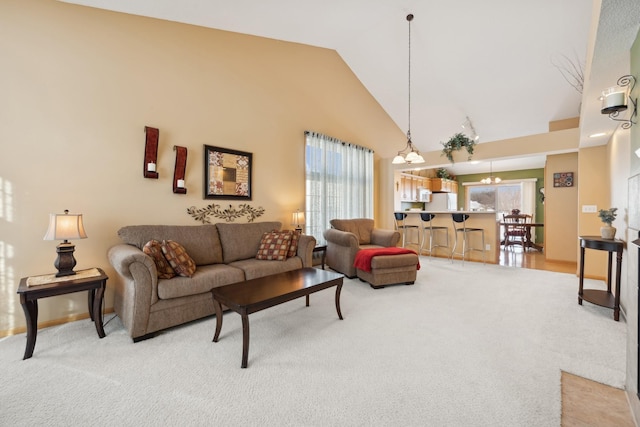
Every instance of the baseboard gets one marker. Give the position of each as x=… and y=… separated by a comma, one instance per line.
x=49, y=323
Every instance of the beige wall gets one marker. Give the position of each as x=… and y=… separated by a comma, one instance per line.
x=594, y=189
x=561, y=216
x=80, y=84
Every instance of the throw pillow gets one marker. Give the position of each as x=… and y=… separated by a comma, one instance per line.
x=178, y=258
x=274, y=245
x=293, y=249
x=153, y=248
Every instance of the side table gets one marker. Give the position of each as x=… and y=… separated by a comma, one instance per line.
x=323, y=249
x=33, y=288
x=596, y=296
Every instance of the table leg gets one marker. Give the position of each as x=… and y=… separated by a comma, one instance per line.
x=30, y=309
x=245, y=338
x=218, y=308
x=580, y=286
x=96, y=309
x=609, y=273
x=616, y=308
x=338, y=289
x=90, y=302
x=307, y=299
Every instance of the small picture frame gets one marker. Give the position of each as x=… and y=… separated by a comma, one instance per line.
x=563, y=179
x=227, y=173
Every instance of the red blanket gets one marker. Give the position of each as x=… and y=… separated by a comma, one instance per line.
x=363, y=257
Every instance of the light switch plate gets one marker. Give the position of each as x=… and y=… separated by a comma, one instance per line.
x=589, y=208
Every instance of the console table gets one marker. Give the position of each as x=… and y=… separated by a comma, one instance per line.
x=596, y=296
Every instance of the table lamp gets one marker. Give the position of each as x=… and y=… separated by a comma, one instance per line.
x=298, y=220
x=65, y=227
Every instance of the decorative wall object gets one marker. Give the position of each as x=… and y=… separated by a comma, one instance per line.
x=179, y=170
x=227, y=173
x=563, y=179
x=229, y=214
x=151, y=152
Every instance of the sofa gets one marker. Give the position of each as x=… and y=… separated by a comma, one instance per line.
x=223, y=253
x=347, y=236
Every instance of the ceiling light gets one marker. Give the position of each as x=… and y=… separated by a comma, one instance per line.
x=491, y=179
x=408, y=154
x=468, y=123
x=595, y=135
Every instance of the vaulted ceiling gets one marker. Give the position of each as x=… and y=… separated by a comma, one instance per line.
x=507, y=65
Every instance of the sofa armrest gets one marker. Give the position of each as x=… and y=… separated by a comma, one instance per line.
x=342, y=247
x=341, y=238
x=305, y=249
x=139, y=288
x=386, y=238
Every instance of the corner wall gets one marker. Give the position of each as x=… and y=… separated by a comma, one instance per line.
x=561, y=209
x=630, y=292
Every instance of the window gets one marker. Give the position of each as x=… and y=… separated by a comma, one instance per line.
x=502, y=198
x=339, y=182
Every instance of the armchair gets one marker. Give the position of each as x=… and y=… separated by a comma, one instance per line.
x=347, y=236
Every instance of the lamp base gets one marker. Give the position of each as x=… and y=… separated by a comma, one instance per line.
x=65, y=261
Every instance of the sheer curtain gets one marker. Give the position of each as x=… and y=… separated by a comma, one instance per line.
x=339, y=182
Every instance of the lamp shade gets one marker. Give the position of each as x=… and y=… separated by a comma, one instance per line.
x=65, y=226
x=297, y=218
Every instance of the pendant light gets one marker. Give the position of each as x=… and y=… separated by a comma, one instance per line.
x=491, y=179
x=408, y=154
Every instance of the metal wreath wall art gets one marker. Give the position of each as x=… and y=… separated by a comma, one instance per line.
x=229, y=214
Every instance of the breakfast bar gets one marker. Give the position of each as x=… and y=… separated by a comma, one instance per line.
x=477, y=219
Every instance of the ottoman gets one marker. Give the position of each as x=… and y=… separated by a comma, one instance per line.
x=388, y=269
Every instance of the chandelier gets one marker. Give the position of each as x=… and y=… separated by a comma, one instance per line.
x=491, y=179
x=409, y=154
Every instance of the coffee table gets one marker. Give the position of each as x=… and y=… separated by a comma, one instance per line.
x=254, y=295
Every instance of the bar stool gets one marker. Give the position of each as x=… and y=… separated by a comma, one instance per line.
x=402, y=227
x=460, y=226
x=428, y=227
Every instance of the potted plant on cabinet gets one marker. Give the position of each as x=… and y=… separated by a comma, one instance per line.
x=457, y=143
x=607, y=216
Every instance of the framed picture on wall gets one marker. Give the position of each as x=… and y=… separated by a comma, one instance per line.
x=563, y=179
x=227, y=173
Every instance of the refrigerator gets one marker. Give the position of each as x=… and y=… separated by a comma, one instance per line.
x=442, y=202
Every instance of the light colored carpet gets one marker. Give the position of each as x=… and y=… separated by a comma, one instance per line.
x=465, y=346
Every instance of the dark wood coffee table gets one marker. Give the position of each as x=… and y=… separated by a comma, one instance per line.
x=254, y=295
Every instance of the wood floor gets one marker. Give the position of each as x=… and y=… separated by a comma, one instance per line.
x=585, y=403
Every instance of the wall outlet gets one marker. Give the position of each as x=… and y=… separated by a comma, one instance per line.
x=589, y=208
x=487, y=247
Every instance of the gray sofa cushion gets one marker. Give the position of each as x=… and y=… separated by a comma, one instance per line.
x=203, y=280
x=258, y=268
x=241, y=241
x=201, y=242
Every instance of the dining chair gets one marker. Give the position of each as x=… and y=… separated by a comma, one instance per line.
x=515, y=229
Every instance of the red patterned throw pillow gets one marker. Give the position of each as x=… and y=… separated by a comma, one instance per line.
x=178, y=258
x=153, y=248
x=274, y=245
x=293, y=249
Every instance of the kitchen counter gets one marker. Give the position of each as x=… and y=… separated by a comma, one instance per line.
x=479, y=219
